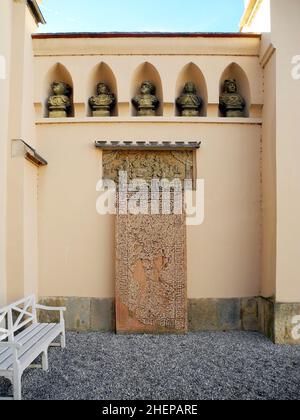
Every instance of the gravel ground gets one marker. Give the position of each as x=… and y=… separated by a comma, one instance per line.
x=202, y=366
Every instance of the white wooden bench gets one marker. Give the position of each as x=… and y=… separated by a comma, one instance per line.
x=23, y=339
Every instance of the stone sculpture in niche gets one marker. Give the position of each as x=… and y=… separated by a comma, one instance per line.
x=59, y=104
x=189, y=103
x=232, y=104
x=103, y=103
x=146, y=103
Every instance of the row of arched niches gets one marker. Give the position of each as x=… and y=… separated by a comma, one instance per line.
x=191, y=73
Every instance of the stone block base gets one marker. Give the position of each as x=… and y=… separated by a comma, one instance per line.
x=57, y=114
x=224, y=314
x=83, y=314
x=275, y=320
x=286, y=327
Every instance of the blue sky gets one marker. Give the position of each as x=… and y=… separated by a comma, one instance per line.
x=142, y=15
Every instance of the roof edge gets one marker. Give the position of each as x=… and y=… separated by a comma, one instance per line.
x=250, y=13
x=36, y=11
x=101, y=35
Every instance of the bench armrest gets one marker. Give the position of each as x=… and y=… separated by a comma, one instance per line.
x=53, y=309
x=11, y=345
x=49, y=308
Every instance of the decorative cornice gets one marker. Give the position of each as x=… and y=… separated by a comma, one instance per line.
x=147, y=146
x=36, y=12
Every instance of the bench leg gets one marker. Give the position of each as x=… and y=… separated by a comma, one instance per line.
x=63, y=340
x=17, y=385
x=45, y=363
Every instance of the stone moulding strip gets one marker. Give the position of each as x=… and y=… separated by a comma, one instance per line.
x=150, y=146
x=156, y=120
x=268, y=54
x=28, y=152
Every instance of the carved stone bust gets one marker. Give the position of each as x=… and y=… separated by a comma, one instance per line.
x=189, y=103
x=146, y=103
x=59, y=104
x=102, y=104
x=232, y=104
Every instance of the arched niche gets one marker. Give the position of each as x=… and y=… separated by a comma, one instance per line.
x=57, y=73
x=234, y=71
x=192, y=73
x=102, y=73
x=147, y=72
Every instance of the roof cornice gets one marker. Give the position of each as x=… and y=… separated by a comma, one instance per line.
x=250, y=13
x=78, y=35
x=36, y=11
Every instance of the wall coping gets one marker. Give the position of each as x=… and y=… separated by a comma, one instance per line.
x=76, y=35
x=156, y=44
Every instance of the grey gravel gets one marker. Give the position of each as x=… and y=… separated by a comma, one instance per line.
x=202, y=366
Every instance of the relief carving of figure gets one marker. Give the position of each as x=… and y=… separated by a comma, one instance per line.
x=146, y=103
x=59, y=104
x=103, y=103
x=232, y=104
x=189, y=103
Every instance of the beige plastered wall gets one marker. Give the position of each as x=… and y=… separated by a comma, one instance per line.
x=5, y=40
x=280, y=44
x=18, y=214
x=269, y=192
x=76, y=245
x=286, y=39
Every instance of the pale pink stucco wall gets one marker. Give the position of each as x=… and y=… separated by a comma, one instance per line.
x=19, y=183
x=76, y=245
x=269, y=180
x=52, y=242
x=286, y=38
x=281, y=147
x=5, y=51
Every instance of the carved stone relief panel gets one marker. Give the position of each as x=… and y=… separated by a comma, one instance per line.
x=151, y=273
x=149, y=165
x=151, y=283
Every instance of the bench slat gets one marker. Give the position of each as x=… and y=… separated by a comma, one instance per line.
x=26, y=335
x=38, y=333
x=31, y=343
x=23, y=337
x=30, y=355
x=3, y=354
